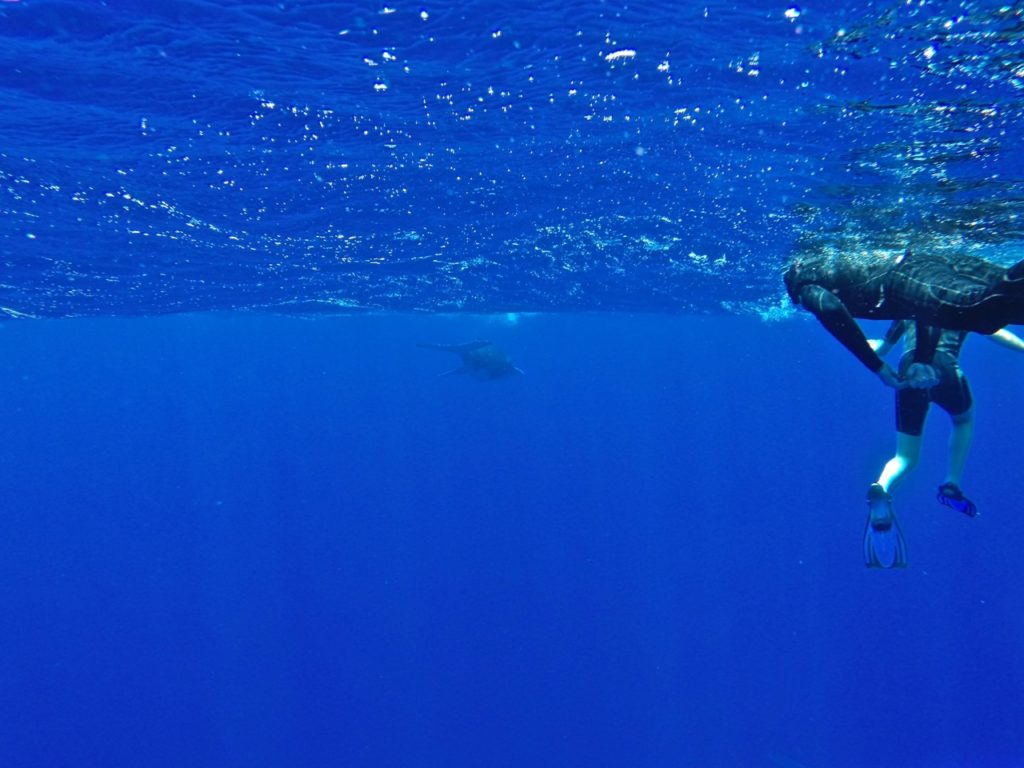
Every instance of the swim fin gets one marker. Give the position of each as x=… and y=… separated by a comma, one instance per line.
x=884, y=546
x=951, y=495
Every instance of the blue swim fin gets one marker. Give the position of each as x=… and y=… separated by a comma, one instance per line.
x=884, y=545
x=951, y=495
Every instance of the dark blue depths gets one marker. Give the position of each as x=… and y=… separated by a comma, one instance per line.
x=264, y=541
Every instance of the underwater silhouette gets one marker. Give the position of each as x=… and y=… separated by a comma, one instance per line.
x=480, y=359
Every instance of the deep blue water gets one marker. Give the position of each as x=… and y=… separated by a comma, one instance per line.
x=258, y=541
x=246, y=522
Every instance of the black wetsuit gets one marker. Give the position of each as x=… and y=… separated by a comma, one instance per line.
x=955, y=292
x=952, y=393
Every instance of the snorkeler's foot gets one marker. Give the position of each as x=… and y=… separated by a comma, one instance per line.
x=884, y=546
x=880, y=515
x=951, y=495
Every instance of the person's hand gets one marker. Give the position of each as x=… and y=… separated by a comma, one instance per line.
x=921, y=376
x=890, y=378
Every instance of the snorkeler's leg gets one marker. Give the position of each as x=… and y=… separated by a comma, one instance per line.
x=912, y=407
x=908, y=452
x=954, y=395
x=959, y=446
x=960, y=440
x=884, y=545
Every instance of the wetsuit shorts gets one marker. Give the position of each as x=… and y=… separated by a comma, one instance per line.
x=952, y=394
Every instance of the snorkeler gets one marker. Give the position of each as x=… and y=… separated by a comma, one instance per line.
x=957, y=293
x=883, y=541
x=962, y=293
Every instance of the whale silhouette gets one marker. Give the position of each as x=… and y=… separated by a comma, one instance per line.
x=480, y=359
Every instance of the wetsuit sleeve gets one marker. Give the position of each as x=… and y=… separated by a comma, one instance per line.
x=895, y=332
x=838, y=321
x=927, y=342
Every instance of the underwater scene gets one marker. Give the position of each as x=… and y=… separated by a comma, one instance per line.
x=428, y=385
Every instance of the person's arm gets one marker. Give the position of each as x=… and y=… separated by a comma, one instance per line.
x=1008, y=339
x=838, y=321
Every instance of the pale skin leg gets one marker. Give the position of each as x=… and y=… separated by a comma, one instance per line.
x=960, y=445
x=908, y=451
x=908, y=447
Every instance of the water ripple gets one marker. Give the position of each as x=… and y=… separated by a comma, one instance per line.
x=203, y=155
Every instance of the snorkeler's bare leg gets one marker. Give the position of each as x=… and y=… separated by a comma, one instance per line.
x=908, y=452
x=960, y=445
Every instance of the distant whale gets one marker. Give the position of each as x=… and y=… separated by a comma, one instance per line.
x=480, y=359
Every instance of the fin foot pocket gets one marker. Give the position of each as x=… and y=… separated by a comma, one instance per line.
x=951, y=496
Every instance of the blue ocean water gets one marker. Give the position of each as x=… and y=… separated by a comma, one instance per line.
x=247, y=523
